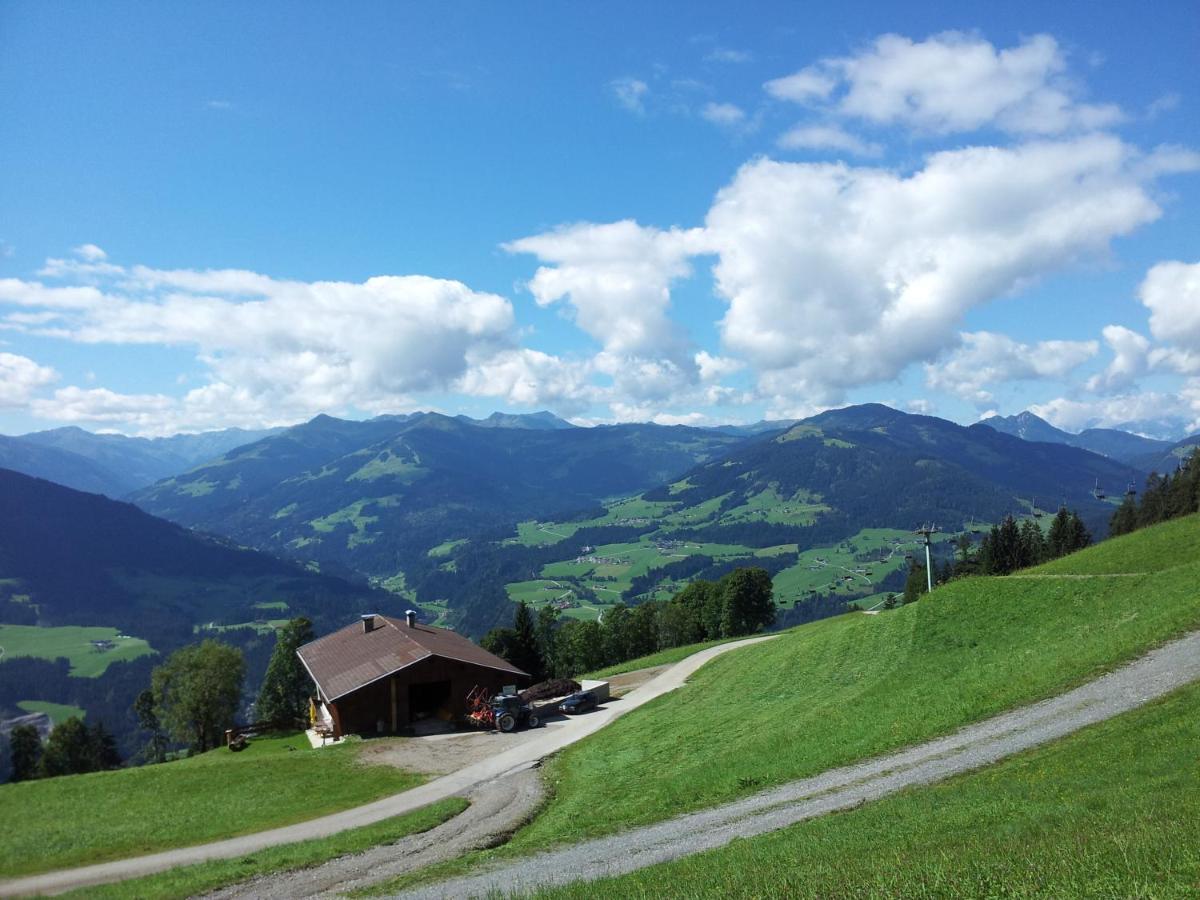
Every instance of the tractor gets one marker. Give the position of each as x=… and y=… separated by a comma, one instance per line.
x=504, y=712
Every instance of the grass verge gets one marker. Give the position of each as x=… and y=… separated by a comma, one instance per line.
x=661, y=658
x=77, y=820
x=841, y=690
x=1112, y=811
x=189, y=881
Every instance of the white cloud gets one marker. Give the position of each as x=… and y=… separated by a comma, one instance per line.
x=951, y=82
x=630, y=93
x=827, y=137
x=100, y=405
x=985, y=359
x=725, y=114
x=1155, y=414
x=1162, y=104
x=273, y=349
x=20, y=379
x=1130, y=360
x=1171, y=291
x=804, y=86
x=714, y=368
x=532, y=378
x=617, y=279
x=90, y=253
x=838, y=277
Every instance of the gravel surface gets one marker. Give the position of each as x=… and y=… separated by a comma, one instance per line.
x=1161, y=671
x=497, y=809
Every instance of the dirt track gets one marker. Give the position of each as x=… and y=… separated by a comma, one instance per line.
x=497, y=809
x=1170, y=667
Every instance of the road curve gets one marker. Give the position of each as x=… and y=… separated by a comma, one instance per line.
x=456, y=784
x=1159, y=672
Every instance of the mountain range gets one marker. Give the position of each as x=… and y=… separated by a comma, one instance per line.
x=1144, y=453
x=114, y=464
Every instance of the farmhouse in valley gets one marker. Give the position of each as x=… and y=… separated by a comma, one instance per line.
x=385, y=674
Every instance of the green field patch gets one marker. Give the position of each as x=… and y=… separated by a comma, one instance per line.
x=389, y=465
x=90, y=650
x=355, y=516
x=678, y=487
x=75, y=820
x=768, y=506
x=853, y=567
x=542, y=534
x=199, y=488
x=271, y=604
x=285, y=511
x=446, y=547
x=58, y=712
x=690, y=516
x=838, y=442
x=262, y=626
x=799, y=433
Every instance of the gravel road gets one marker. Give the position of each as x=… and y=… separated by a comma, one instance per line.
x=497, y=809
x=1161, y=671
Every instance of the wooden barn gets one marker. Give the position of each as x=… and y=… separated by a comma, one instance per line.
x=385, y=675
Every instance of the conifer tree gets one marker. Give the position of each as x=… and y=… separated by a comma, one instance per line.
x=286, y=686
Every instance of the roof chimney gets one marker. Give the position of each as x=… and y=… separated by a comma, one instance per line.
x=368, y=623
x=410, y=616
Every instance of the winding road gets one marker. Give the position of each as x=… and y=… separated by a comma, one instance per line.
x=1163, y=670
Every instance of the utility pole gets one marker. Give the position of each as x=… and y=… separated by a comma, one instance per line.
x=925, y=531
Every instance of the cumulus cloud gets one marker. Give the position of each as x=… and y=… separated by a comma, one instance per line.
x=1171, y=291
x=630, y=93
x=985, y=359
x=724, y=114
x=90, y=253
x=617, y=279
x=827, y=137
x=102, y=406
x=273, y=349
x=1130, y=360
x=951, y=82
x=1155, y=414
x=20, y=379
x=838, y=277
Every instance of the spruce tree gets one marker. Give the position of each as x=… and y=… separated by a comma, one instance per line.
x=25, y=752
x=286, y=686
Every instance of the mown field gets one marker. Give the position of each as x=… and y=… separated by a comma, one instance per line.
x=80, y=819
x=840, y=690
x=75, y=644
x=1112, y=811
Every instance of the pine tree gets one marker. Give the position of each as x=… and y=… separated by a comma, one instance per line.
x=155, y=750
x=916, y=584
x=1058, y=538
x=1033, y=544
x=25, y=751
x=525, y=645
x=286, y=686
x=547, y=621
x=1125, y=519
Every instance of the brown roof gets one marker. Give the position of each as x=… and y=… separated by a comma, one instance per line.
x=350, y=658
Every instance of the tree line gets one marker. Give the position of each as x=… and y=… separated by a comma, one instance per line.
x=548, y=646
x=1164, y=497
x=193, y=697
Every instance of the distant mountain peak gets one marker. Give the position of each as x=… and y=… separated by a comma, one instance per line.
x=543, y=420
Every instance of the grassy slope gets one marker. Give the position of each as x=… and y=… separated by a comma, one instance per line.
x=58, y=712
x=74, y=643
x=189, y=881
x=661, y=658
x=843, y=689
x=1113, y=811
x=80, y=819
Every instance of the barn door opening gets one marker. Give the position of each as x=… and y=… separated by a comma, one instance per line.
x=429, y=700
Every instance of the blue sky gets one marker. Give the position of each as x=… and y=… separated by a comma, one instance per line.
x=225, y=214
